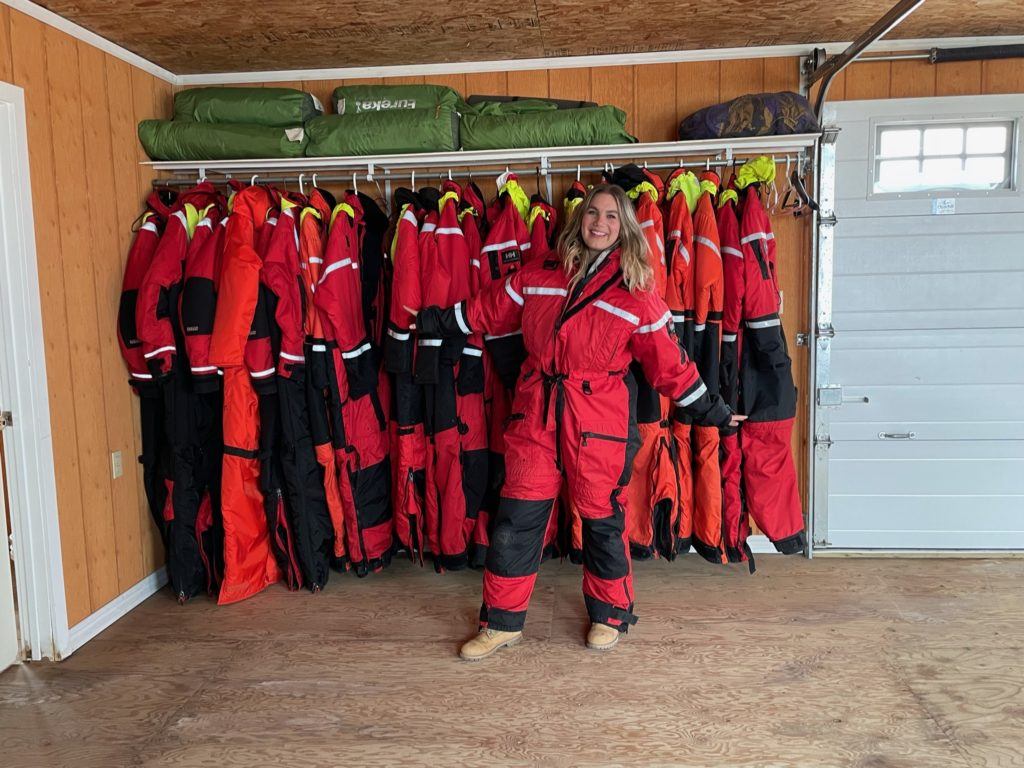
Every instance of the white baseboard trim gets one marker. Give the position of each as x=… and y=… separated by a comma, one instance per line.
x=88, y=628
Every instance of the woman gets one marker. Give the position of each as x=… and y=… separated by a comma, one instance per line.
x=585, y=316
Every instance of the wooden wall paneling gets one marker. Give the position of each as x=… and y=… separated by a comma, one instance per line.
x=912, y=78
x=1002, y=76
x=570, y=84
x=6, y=64
x=30, y=72
x=456, y=82
x=486, y=84
x=107, y=268
x=782, y=74
x=958, y=78
x=80, y=299
x=698, y=85
x=134, y=525
x=655, y=98
x=836, y=91
x=868, y=80
x=614, y=85
x=741, y=76
x=530, y=82
x=406, y=80
x=144, y=106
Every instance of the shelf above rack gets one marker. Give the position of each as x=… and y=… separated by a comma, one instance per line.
x=542, y=158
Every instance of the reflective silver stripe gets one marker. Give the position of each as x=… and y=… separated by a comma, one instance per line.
x=463, y=326
x=356, y=352
x=758, y=236
x=272, y=221
x=181, y=217
x=684, y=253
x=709, y=243
x=205, y=223
x=503, y=335
x=693, y=396
x=396, y=335
x=142, y=375
x=627, y=316
x=203, y=368
x=430, y=342
x=764, y=323
x=410, y=217
x=700, y=327
x=472, y=351
x=674, y=233
x=544, y=291
x=429, y=227
x=334, y=266
x=315, y=260
x=647, y=223
x=319, y=347
x=729, y=337
x=524, y=246
x=448, y=231
x=151, y=227
x=475, y=263
x=512, y=292
x=261, y=374
x=732, y=251
x=296, y=358
x=156, y=352
x=656, y=325
x=679, y=317
x=499, y=246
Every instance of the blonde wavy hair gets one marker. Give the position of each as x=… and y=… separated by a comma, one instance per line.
x=634, y=259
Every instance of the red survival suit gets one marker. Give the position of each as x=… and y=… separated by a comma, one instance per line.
x=249, y=563
x=570, y=419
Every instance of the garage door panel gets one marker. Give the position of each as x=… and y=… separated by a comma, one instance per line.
x=907, y=292
x=959, y=365
x=895, y=450
x=927, y=476
x=882, y=255
x=925, y=539
x=981, y=318
x=924, y=431
x=946, y=513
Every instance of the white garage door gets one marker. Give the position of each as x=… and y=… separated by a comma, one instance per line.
x=928, y=309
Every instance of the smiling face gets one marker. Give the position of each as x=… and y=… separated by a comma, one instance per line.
x=600, y=228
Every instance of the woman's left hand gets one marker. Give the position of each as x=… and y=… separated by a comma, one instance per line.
x=737, y=419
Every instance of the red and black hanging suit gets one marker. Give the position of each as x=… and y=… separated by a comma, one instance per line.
x=570, y=421
x=191, y=408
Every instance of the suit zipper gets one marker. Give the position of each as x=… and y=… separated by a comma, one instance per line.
x=599, y=436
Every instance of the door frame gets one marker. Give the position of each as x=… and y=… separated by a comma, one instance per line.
x=32, y=488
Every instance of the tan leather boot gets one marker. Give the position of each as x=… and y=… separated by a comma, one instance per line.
x=601, y=637
x=487, y=642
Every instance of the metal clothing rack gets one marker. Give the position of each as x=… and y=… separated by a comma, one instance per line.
x=796, y=150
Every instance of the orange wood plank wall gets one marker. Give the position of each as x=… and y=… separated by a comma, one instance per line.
x=82, y=109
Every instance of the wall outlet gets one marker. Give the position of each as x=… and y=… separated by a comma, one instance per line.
x=116, y=465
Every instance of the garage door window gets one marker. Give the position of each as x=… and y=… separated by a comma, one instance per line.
x=947, y=156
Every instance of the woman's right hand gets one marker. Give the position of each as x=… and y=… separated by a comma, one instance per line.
x=737, y=419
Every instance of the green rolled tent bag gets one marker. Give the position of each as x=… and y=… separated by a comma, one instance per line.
x=523, y=125
x=357, y=99
x=384, y=132
x=277, y=107
x=181, y=140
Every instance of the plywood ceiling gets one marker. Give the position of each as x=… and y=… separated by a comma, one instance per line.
x=188, y=37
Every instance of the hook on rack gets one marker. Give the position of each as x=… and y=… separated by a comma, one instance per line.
x=302, y=189
x=355, y=184
x=314, y=179
x=412, y=181
x=578, y=169
x=449, y=174
x=252, y=181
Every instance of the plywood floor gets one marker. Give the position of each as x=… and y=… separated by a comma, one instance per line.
x=853, y=662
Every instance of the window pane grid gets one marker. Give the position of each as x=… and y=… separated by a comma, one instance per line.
x=935, y=156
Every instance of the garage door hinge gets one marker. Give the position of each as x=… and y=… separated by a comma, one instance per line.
x=825, y=441
x=825, y=331
x=6, y=419
x=828, y=220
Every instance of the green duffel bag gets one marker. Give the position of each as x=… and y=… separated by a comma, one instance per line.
x=181, y=140
x=488, y=128
x=277, y=107
x=357, y=99
x=384, y=133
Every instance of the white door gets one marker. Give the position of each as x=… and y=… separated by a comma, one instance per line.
x=928, y=309
x=9, y=647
